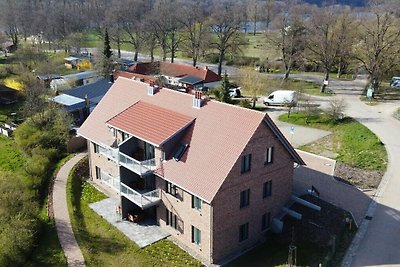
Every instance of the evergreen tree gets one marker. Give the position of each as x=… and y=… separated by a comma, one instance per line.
x=225, y=96
x=107, y=54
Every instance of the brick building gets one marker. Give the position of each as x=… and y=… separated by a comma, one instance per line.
x=213, y=175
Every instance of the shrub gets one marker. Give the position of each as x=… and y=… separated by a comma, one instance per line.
x=212, y=58
x=245, y=103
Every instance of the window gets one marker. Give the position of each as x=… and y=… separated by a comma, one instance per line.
x=243, y=232
x=171, y=219
x=171, y=188
x=95, y=147
x=196, y=203
x=196, y=236
x=98, y=173
x=244, y=198
x=267, y=189
x=246, y=163
x=174, y=221
x=180, y=151
x=265, y=221
x=269, y=155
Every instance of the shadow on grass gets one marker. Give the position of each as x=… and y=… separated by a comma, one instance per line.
x=84, y=218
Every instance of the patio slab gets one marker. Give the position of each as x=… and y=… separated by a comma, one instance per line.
x=143, y=234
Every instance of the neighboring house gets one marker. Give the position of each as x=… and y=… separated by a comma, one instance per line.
x=75, y=79
x=72, y=61
x=8, y=47
x=82, y=100
x=215, y=176
x=177, y=75
x=124, y=64
x=8, y=95
x=46, y=79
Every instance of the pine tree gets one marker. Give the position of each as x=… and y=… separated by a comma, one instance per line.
x=225, y=96
x=107, y=54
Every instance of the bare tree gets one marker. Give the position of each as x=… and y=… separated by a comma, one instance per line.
x=378, y=49
x=196, y=29
x=251, y=83
x=322, y=41
x=290, y=39
x=270, y=11
x=225, y=23
x=253, y=12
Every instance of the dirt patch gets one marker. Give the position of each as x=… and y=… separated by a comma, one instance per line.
x=324, y=147
x=358, y=177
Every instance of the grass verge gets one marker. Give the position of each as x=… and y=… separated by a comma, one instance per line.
x=104, y=245
x=350, y=142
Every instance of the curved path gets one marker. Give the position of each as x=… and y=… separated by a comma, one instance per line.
x=61, y=216
x=376, y=242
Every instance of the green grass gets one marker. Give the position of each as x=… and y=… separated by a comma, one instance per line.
x=104, y=245
x=49, y=251
x=353, y=143
x=258, y=46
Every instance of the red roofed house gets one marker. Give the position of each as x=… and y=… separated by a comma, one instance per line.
x=175, y=75
x=215, y=176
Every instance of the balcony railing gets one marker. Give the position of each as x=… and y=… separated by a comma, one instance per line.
x=139, y=167
x=109, y=152
x=144, y=200
x=113, y=182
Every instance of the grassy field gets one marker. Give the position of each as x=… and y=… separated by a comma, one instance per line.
x=351, y=142
x=104, y=245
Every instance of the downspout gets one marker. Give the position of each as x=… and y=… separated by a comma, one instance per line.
x=211, y=233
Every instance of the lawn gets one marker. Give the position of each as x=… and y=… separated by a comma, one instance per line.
x=350, y=142
x=104, y=245
x=258, y=46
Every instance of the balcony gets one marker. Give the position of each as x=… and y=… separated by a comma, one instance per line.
x=138, y=167
x=109, y=152
x=113, y=182
x=143, y=200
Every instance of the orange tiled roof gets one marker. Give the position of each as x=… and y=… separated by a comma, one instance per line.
x=151, y=123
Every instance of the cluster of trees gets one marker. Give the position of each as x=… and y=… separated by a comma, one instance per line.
x=330, y=37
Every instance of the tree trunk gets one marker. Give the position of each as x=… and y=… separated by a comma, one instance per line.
x=255, y=27
x=220, y=59
x=172, y=55
x=323, y=86
x=135, y=58
x=287, y=73
x=119, y=47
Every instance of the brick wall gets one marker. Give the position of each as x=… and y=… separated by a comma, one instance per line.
x=105, y=164
x=183, y=209
x=227, y=215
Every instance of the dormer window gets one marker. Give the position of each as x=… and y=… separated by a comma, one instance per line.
x=180, y=151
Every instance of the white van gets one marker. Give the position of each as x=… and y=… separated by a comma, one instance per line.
x=281, y=98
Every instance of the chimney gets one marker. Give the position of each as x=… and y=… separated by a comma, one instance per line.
x=205, y=67
x=197, y=100
x=151, y=90
x=112, y=78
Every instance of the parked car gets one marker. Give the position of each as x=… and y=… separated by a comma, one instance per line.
x=280, y=98
x=235, y=92
x=395, y=82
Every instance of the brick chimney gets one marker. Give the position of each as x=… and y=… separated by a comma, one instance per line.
x=197, y=100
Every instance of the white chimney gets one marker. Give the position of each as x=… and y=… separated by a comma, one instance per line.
x=197, y=100
x=151, y=90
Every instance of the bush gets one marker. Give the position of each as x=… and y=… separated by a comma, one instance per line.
x=245, y=103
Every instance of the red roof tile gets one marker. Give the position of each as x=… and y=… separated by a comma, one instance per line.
x=149, y=122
